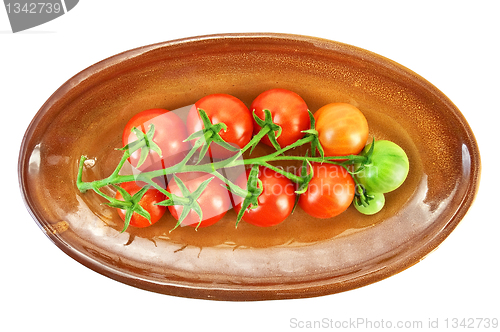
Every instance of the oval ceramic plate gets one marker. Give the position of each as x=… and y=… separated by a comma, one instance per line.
x=301, y=257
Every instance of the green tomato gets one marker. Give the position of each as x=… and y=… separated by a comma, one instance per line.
x=388, y=168
x=374, y=205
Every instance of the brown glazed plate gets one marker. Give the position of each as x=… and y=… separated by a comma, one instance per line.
x=302, y=257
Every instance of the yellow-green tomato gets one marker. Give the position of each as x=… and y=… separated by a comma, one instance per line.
x=374, y=205
x=388, y=168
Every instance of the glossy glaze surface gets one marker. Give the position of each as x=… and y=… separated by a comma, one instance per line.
x=301, y=257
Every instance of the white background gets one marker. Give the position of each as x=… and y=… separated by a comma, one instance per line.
x=453, y=44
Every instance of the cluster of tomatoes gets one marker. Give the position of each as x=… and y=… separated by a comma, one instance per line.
x=341, y=129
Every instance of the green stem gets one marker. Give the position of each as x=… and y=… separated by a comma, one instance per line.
x=329, y=160
x=270, y=157
x=148, y=177
x=178, y=199
x=234, y=188
x=109, y=198
x=298, y=143
x=263, y=132
x=112, y=179
x=195, y=147
x=79, y=176
x=291, y=176
x=125, y=156
x=208, y=168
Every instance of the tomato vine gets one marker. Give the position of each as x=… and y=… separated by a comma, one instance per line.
x=250, y=193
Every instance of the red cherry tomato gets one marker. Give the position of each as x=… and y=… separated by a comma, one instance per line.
x=229, y=110
x=329, y=193
x=342, y=128
x=148, y=201
x=170, y=133
x=288, y=110
x=214, y=201
x=275, y=202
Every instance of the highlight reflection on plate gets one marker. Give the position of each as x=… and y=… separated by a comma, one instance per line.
x=301, y=257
